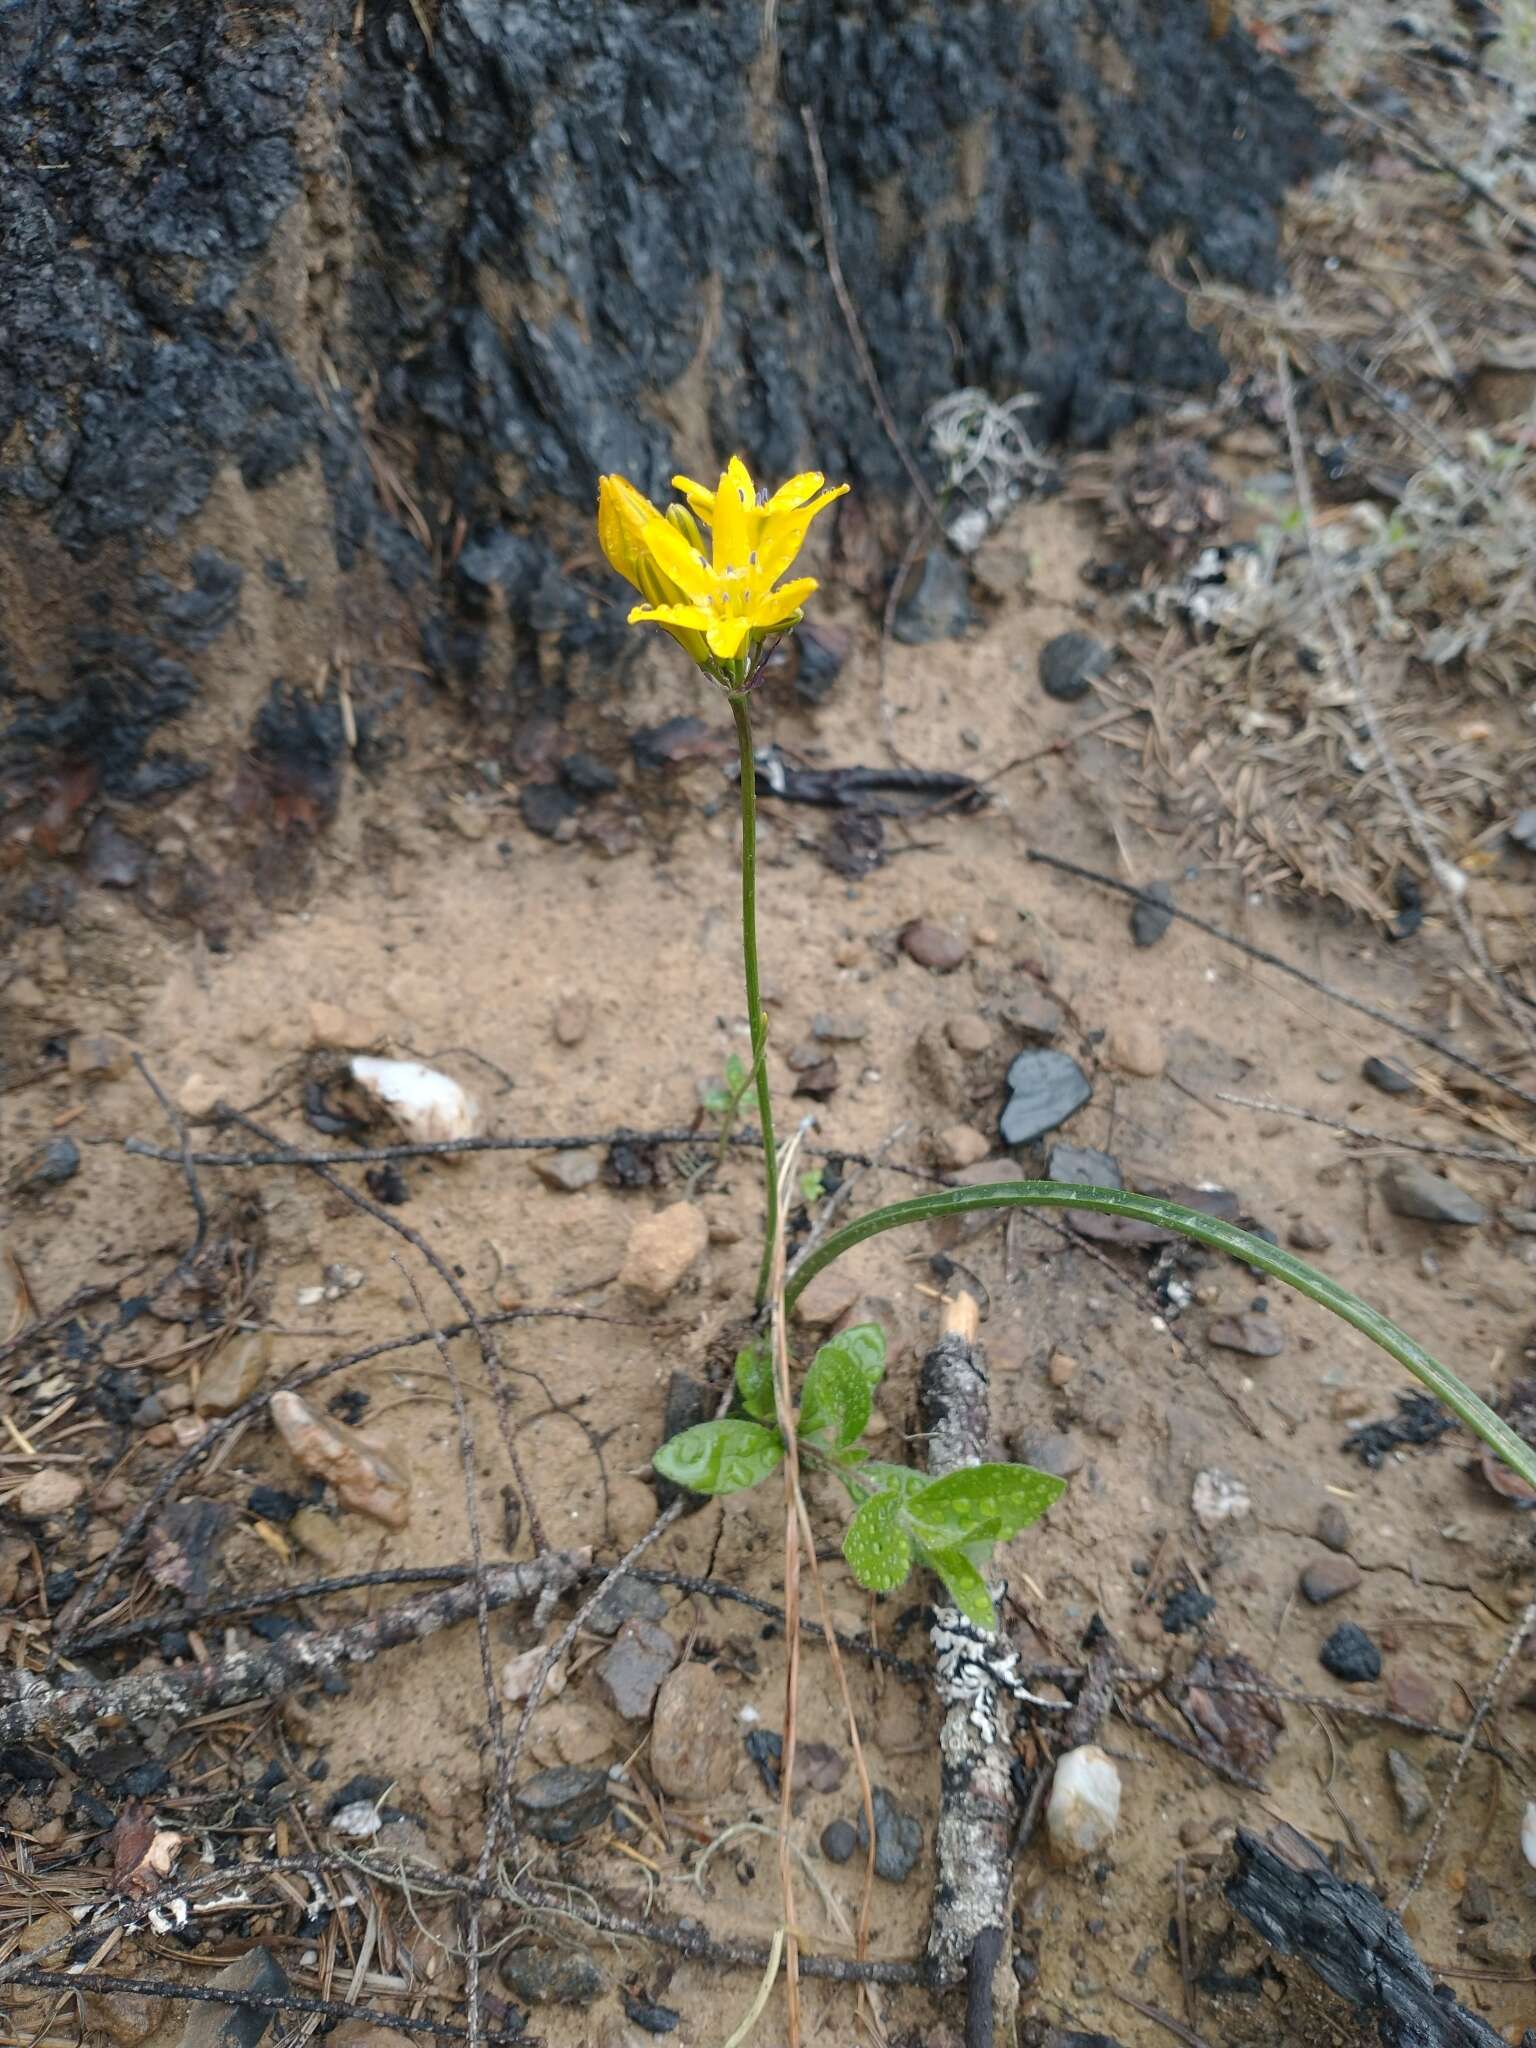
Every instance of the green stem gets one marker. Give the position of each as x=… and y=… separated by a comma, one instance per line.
x=1222, y=1237
x=757, y=1023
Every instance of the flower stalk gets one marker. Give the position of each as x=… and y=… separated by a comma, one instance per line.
x=757, y=1022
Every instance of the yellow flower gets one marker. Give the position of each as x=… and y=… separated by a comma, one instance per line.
x=717, y=607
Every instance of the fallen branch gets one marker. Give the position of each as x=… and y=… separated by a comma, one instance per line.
x=294, y=1662
x=1348, y=1938
x=973, y=1884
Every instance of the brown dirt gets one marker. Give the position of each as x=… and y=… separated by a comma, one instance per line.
x=463, y=949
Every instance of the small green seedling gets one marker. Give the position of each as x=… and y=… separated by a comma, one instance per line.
x=900, y=1517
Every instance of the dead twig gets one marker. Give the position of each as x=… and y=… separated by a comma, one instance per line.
x=1485, y=1707
x=1485, y=1155
x=332, y=2009
x=38, y=1708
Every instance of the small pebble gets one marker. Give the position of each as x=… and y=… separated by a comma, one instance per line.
x=1150, y=920
x=839, y=1839
x=1069, y=663
x=1083, y=1811
x=838, y=1030
x=1045, y=1088
x=1061, y=1369
x=1413, y=1695
x=1135, y=1046
x=898, y=1837
x=1332, y=1526
x=1409, y=1787
x=933, y=946
x=1350, y=1655
x=1410, y=1189
x=1329, y=1579
x=1082, y=1166
x=52, y=1491
x=568, y=1172
x=1390, y=1079
x=1257, y=1336
x=1307, y=1236
x=969, y=1034
x=957, y=1146
x=572, y=1020
x=1060, y=1454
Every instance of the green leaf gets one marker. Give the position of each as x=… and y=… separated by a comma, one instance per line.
x=812, y=1186
x=754, y=1380
x=865, y=1345
x=835, y=1397
x=876, y=1546
x=719, y=1457
x=964, y=1584
x=735, y=1075
x=990, y=1500
x=717, y=1102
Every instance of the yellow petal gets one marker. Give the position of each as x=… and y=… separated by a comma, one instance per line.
x=623, y=513
x=773, y=609
x=725, y=637
x=699, y=497
x=673, y=556
x=793, y=494
x=734, y=523
x=690, y=615
x=784, y=534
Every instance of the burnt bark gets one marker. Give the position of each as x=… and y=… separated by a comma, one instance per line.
x=322, y=321
x=1285, y=1890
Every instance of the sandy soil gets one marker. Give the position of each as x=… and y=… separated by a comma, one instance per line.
x=464, y=948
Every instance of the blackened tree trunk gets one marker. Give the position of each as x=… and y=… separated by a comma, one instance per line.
x=318, y=320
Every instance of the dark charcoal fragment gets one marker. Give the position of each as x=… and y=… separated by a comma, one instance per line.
x=1151, y=920
x=765, y=1746
x=1350, y=1655
x=1186, y=1609
x=1420, y=1420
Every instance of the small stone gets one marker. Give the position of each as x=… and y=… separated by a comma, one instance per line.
x=1306, y=1236
x=335, y=1029
x=1505, y=1942
x=98, y=1056
x=898, y=1837
x=521, y=1673
x=1083, y=1811
x=1081, y=1166
x=52, y=1491
x=932, y=946
x=125, y=2017
x=827, y=1298
x=1522, y=829
x=1332, y=1527
x=1034, y=1015
x=630, y=1673
x=568, y=1172
x=47, y=1165
x=469, y=819
x=969, y=1034
x=839, y=1839
x=819, y=1080
x=839, y=1029
x=1045, y=1088
x=1475, y=1906
x=938, y=606
x=626, y=1598
x=367, y=1479
x=1329, y=1579
x=563, y=1802
x=1409, y=1787
x=237, y=2026
x=1150, y=920
x=315, y=1531
x=112, y=859
x=1061, y=1368
x=14, y=1553
x=1218, y=1497
x=1412, y=1190
x=1135, y=1046
x=541, y=1976
x=1059, y=1453
x=1255, y=1336
x=1521, y=1220
x=547, y=809
x=1350, y=1655
x=693, y=1735
x=662, y=1249
x=572, y=1020
x=957, y=1146
x=234, y=1375
x=818, y=1767
x=1349, y=1403
x=1390, y=1079
x=1069, y=662
x=1414, y=1696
